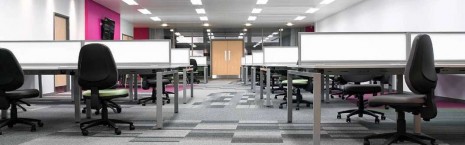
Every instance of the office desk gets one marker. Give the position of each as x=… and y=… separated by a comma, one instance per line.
x=76, y=93
x=267, y=70
x=205, y=73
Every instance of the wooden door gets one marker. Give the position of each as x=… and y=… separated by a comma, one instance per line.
x=235, y=51
x=60, y=33
x=219, y=57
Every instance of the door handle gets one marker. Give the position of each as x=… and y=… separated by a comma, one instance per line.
x=225, y=57
x=229, y=55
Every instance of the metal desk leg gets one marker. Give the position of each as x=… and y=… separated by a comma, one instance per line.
x=241, y=77
x=184, y=85
x=76, y=94
x=159, y=114
x=268, y=90
x=192, y=83
x=88, y=109
x=176, y=92
x=246, y=75
x=40, y=86
x=130, y=83
x=253, y=74
x=261, y=84
x=322, y=83
x=4, y=114
x=316, y=109
x=136, y=86
x=327, y=89
x=205, y=75
x=289, y=98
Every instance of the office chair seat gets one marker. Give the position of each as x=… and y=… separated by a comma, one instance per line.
x=361, y=89
x=108, y=94
x=22, y=94
x=399, y=100
x=296, y=82
x=154, y=81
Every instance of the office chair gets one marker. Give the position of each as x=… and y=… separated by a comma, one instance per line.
x=421, y=79
x=97, y=73
x=193, y=62
x=150, y=81
x=359, y=90
x=298, y=84
x=12, y=78
x=112, y=105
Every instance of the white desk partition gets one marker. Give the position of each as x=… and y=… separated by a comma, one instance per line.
x=448, y=46
x=201, y=60
x=242, y=60
x=138, y=51
x=257, y=57
x=180, y=56
x=280, y=55
x=248, y=60
x=365, y=47
x=44, y=52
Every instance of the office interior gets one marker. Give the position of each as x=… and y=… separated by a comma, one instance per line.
x=232, y=72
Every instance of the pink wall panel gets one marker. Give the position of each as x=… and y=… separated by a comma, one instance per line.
x=94, y=13
x=141, y=33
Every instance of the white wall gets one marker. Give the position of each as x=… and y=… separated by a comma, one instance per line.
x=405, y=15
x=33, y=20
x=127, y=28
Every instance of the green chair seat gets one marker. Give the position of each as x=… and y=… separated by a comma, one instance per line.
x=109, y=93
x=296, y=82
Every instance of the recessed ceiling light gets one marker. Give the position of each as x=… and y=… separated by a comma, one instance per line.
x=241, y=34
x=262, y=2
x=289, y=24
x=275, y=33
x=200, y=11
x=164, y=25
x=204, y=18
x=281, y=29
x=256, y=11
x=312, y=10
x=298, y=18
x=196, y=2
x=252, y=18
x=248, y=24
x=155, y=18
x=206, y=24
x=144, y=11
x=325, y=2
x=177, y=33
x=130, y=2
x=208, y=30
x=240, y=37
x=245, y=30
x=171, y=30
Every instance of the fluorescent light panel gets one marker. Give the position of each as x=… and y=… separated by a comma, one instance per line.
x=256, y=11
x=262, y=2
x=130, y=2
x=164, y=25
x=144, y=11
x=312, y=10
x=200, y=11
x=289, y=24
x=298, y=18
x=208, y=30
x=204, y=18
x=196, y=2
x=206, y=24
x=252, y=18
x=155, y=18
x=248, y=24
x=325, y=2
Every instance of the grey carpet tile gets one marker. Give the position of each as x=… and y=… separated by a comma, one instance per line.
x=156, y=139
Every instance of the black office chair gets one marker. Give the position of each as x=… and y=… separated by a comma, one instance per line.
x=12, y=78
x=97, y=73
x=298, y=84
x=421, y=79
x=193, y=62
x=359, y=90
x=150, y=81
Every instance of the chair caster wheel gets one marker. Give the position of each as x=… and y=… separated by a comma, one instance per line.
x=1, y=133
x=339, y=116
x=132, y=127
x=143, y=104
x=366, y=142
x=280, y=107
x=383, y=117
x=308, y=105
x=84, y=132
x=168, y=101
x=275, y=97
x=376, y=121
x=10, y=125
x=297, y=108
x=40, y=124
x=348, y=120
x=117, y=131
x=97, y=112
x=33, y=128
x=83, y=111
x=118, y=110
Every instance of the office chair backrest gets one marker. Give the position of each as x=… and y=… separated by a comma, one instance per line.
x=11, y=73
x=357, y=78
x=96, y=67
x=420, y=73
x=193, y=62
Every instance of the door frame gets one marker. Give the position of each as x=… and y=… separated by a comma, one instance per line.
x=55, y=14
x=211, y=50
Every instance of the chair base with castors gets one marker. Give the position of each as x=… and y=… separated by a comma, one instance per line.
x=112, y=105
x=299, y=99
x=361, y=111
x=14, y=97
x=153, y=98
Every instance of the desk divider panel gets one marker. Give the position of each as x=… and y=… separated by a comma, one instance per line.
x=257, y=57
x=138, y=51
x=180, y=56
x=364, y=47
x=201, y=60
x=448, y=46
x=243, y=60
x=44, y=52
x=280, y=55
x=248, y=60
